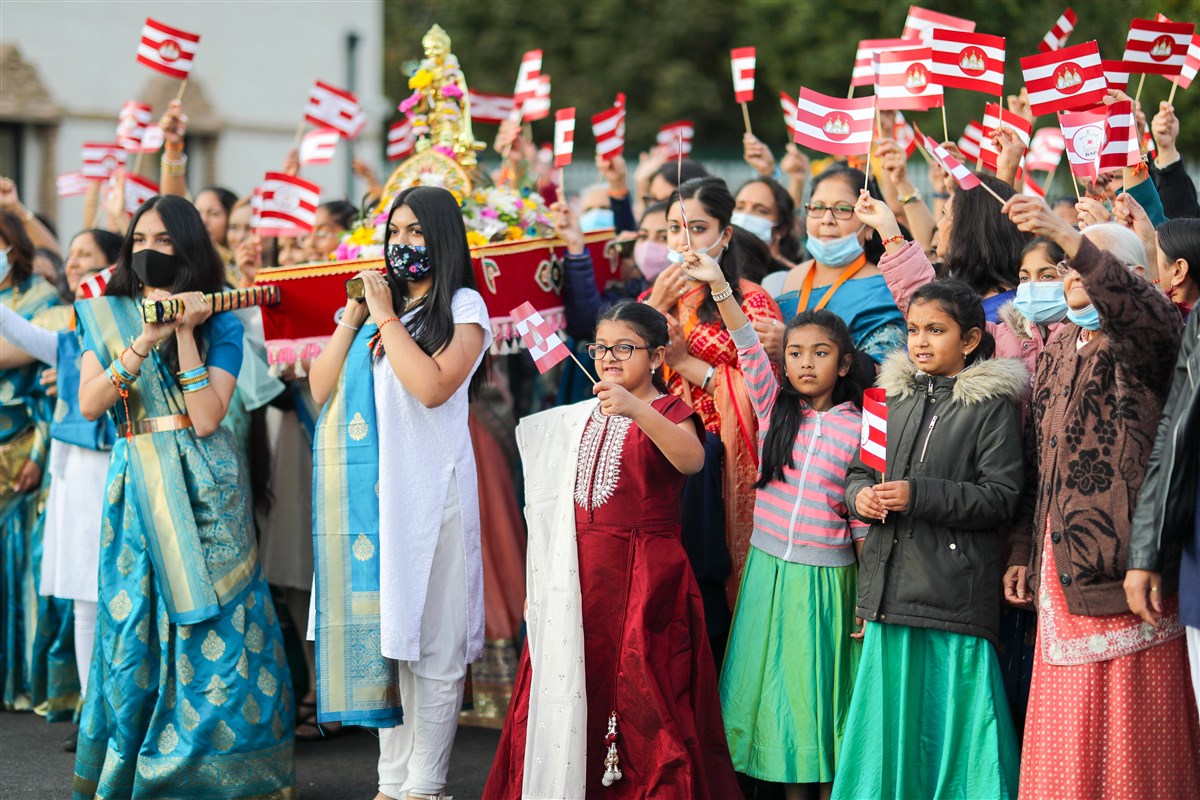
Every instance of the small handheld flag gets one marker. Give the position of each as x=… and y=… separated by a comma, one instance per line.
x=834, y=125
x=70, y=184
x=864, y=63
x=100, y=159
x=1191, y=66
x=318, y=147
x=1157, y=47
x=94, y=286
x=491, y=109
x=1056, y=38
x=1120, y=148
x=789, y=114
x=874, y=430
x=564, y=136
x=742, y=60
x=1083, y=136
x=904, y=80
x=971, y=141
x=993, y=117
x=921, y=23
x=1116, y=74
x=331, y=107
x=132, y=124
x=400, y=140
x=540, y=338
x=289, y=205
x=137, y=191
x=1064, y=80
x=608, y=128
x=167, y=50
x=678, y=137
x=527, y=80
x=538, y=106
x=972, y=61
x=1045, y=150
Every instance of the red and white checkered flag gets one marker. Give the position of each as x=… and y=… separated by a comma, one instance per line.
x=289, y=205
x=100, y=159
x=874, y=430
x=331, y=107
x=741, y=60
x=608, y=128
x=167, y=50
x=542, y=340
x=401, y=140
x=318, y=147
x=1056, y=38
x=564, y=136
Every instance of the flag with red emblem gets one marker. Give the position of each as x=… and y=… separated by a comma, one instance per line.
x=1056, y=38
x=1083, y=136
x=491, y=109
x=539, y=337
x=331, y=107
x=921, y=23
x=608, y=128
x=132, y=123
x=1065, y=79
x=864, y=63
x=318, y=147
x=94, y=286
x=289, y=205
x=677, y=138
x=100, y=159
x=972, y=61
x=962, y=176
x=741, y=60
x=971, y=140
x=400, y=139
x=993, y=117
x=834, y=125
x=874, y=430
x=70, y=184
x=167, y=50
x=1120, y=148
x=1045, y=150
x=904, y=80
x=564, y=136
x=1191, y=64
x=1116, y=74
x=1157, y=47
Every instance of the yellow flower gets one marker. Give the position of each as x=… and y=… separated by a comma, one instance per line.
x=458, y=197
x=421, y=80
x=515, y=233
x=476, y=239
x=362, y=235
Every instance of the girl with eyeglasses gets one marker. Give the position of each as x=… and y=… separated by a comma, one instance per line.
x=617, y=686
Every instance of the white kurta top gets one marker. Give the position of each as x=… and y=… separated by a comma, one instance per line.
x=74, y=510
x=420, y=449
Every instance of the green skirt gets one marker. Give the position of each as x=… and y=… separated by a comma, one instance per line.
x=929, y=720
x=789, y=669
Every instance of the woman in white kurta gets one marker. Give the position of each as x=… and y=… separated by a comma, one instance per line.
x=396, y=507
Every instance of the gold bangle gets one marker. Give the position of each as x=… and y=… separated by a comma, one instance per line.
x=174, y=168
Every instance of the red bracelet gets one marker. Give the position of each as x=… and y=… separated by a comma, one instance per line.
x=898, y=239
x=376, y=342
x=386, y=321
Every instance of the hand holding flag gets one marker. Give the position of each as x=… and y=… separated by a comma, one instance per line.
x=742, y=60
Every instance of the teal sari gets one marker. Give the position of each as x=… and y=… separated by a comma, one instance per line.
x=37, y=645
x=194, y=695
x=356, y=685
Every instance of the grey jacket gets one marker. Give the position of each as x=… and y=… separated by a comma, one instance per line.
x=957, y=441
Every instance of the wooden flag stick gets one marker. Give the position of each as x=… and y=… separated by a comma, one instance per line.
x=746, y=118
x=678, y=180
x=1075, y=182
x=1174, y=86
x=579, y=364
x=137, y=163
x=1137, y=97
x=945, y=128
x=182, y=89
x=850, y=94
x=992, y=192
x=870, y=147
x=1049, y=183
x=298, y=137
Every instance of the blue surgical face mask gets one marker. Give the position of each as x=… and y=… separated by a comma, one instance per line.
x=837, y=253
x=1086, y=317
x=5, y=267
x=1042, y=302
x=674, y=256
x=759, y=226
x=597, y=219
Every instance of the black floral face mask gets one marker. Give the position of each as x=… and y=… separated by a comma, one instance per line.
x=408, y=262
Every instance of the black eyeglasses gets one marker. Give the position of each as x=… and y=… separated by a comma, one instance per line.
x=621, y=352
x=817, y=210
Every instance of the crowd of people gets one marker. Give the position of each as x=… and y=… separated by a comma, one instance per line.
x=712, y=591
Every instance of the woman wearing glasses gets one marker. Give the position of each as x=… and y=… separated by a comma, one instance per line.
x=842, y=275
x=614, y=612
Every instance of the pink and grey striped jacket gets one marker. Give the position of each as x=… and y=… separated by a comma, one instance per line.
x=803, y=518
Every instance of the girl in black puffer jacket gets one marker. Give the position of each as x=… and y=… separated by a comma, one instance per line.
x=929, y=690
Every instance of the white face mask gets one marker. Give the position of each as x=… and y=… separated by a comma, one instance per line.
x=759, y=226
x=674, y=256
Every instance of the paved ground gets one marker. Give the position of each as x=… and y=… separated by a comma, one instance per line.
x=33, y=765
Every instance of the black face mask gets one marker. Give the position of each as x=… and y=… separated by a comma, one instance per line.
x=156, y=270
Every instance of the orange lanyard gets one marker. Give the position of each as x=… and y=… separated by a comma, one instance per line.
x=848, y=273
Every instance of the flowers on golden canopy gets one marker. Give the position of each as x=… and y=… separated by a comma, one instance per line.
x=421, y=79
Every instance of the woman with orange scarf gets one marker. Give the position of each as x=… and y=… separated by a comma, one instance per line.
x=702, y=365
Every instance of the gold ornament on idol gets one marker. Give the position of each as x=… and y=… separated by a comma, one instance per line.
x=446, y=114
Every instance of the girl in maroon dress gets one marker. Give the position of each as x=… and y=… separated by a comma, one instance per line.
x=614, y=613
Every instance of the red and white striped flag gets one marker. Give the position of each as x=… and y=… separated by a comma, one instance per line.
x=789, y=114
x=400, y=140
x=1030, y=186
x=538, y=106
x=137, y=191
x=70, y=184
x=741, y=60
x=289, y=205
x=1116, y=74
x=1045, y=150
x=1065, y=79
x=963, y=177
x=132, y=123
x=972, y=61
x=94, y=286
x=1157, y=47
x=1191, y=64
x=1083, y=136
x=564, y=136
x=902, y=132
x=167, y=50
x=993, y=117
x=1120, y=148
x=904, y=80
x=256, y=209
x=331, y=107
x=491, y=109
x=971, y=140
x=672, y=134
x=539, y=336
x=834, y=125
x=318, y=147
x=100, y=159
x=1056, y=38
x=921, y=23
x=874, y=430
x=608, y=128
x=864, y=64
x=528, y=78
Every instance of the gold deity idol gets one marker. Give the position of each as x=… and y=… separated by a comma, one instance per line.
x=441, y=114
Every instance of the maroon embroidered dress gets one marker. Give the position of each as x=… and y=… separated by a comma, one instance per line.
x=645, y=647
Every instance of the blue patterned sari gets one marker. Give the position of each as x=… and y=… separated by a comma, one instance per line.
x=194, y=695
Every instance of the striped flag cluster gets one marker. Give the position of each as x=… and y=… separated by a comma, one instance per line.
x=971, y=142
x=993, y=117
x=400, y=139
x=834, y=125
x=166, y=49
x=921, y=23
x=101, y=158
x=1065, y=79
x=491, y=109
x=1056, y=38
x=318, y=147
x=564, y=136
x=1120, y=148
x=1191, y=64
x=904, y=80
x=608, y=128
x=289, y=205
x=1045, y=150
x=1157, y=47
x=71, y=184
x=677, y=137
x=339, y=109
x=132, y=124
x=864, y=58
x=741, y=61
x=972, y=61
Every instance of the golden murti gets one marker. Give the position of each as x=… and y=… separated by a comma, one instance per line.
x=445, y=106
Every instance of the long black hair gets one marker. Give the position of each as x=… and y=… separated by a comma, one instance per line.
x=788, y=410
x=1180, y=238
x=984, y=250
x=445, y=235
x=342, y=212
x=964, y=306
x=108, y=242
x=20, y=257
x=646, y=321
x=785, y=217
x=1054, y=253
x=714, y=197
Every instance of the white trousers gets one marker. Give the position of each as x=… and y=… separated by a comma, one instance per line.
x=1193, y=645
x=85, y=638
x=415, y=756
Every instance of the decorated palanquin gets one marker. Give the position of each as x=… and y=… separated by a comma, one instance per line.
x=515, y=256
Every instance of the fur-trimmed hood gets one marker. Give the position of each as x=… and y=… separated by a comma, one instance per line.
x=978, y=383
x=1015, y=320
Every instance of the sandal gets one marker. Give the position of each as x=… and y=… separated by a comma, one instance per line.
x=306, y=718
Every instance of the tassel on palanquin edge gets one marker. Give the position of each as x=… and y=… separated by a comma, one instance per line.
x=612, y=769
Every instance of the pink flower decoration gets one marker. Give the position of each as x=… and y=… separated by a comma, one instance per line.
x=451, y=90
x=446, y=151
x=489, y=213
x=409, y=102
x=347, y=252
x=380, y=220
